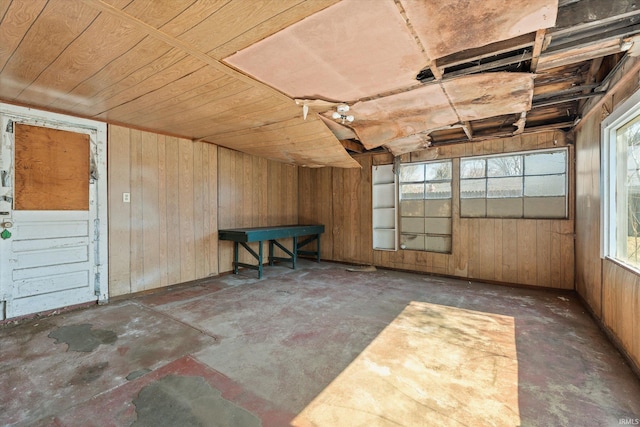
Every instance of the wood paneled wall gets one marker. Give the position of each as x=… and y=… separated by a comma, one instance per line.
x=254, y=192
x=167, y=234
x=316, y=203
x=611, y=291
x=521, y=251
x=621, y=307
x=588, y=262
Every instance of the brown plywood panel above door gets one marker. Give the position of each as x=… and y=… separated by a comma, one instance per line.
x=51, y=169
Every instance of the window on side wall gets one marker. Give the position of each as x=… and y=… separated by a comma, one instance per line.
x=520, y=185
x=621, y=183
x=425, y=206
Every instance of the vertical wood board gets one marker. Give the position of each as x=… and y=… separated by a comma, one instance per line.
x=167, y=234
x=519, y=251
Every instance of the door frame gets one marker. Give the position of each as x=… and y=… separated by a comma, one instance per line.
x=97, y=132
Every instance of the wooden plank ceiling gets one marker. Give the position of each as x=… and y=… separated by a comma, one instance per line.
x=264, y=76
x=155, y=65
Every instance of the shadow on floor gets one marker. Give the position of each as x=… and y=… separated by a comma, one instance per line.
x=319, y=346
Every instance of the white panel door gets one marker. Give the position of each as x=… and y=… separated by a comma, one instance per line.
x=51, y=259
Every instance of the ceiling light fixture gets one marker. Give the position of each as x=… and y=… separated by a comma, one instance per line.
x=341, y=114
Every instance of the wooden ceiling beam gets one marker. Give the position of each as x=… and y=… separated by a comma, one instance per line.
x=563, y=3
x=431, y=62
x=468, y=130
x=537, y=49
x=581, y=53
x=352, y=145
x=589, y=13
x=563, y=99
x=560, y=93
x=491, y=134
x=487, y=51
x=437, y=71
x=489, y=65
x=581, y=40
x=573, y=35
x=592, y=74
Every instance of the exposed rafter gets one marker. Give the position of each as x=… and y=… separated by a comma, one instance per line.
x=468, y=130
x=537, y=49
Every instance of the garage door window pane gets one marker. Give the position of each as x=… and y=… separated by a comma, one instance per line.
x=473, y=168
x=473, y=188
x=509, y=180
x=544, y=185
x=412, y=173
x=411, y=191
x=504, y=166
x=425, y=206
x=504, y=187
x=545, y=163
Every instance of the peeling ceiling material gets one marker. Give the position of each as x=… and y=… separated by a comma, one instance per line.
x=492, y=94
x=446, y=27
x=160, y=66
x=384, y=120
x=345, y=54
x=409, y=144
x=351, y=50
x=341, y=132
x=305, y=143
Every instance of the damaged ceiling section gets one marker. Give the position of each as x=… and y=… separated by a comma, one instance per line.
x=389, y=120
x=351, y=50
x=419, y=73
x=311, y=82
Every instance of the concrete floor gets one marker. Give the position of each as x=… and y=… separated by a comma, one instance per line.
x=319, y=346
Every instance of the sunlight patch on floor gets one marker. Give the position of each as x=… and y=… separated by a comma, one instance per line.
x=433, y=365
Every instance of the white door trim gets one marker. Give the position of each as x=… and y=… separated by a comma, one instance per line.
x=98, y=136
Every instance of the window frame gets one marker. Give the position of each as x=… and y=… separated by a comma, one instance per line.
x=523, y=176
x=424, y=198
x=384, y=177
x=626, y=112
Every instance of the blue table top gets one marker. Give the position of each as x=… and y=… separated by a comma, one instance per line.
x=254, y=234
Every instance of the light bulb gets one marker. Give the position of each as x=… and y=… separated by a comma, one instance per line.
x=343, y=108
x=350, y=118
x=336, y=115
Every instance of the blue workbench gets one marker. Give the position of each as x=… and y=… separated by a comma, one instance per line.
x=242, y=236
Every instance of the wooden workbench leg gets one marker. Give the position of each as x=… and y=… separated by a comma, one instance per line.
x=318, y=253
x=235, y=257
x=260, y=259
x=270, y=252
x=294, y=257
